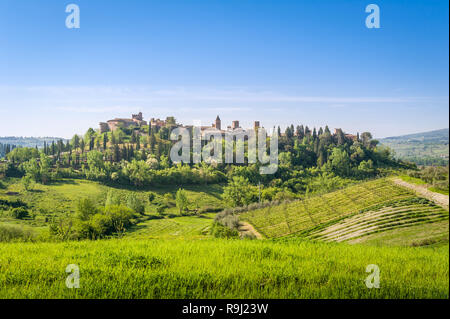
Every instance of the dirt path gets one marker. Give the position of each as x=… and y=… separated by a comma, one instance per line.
x=246, y=227
x=422, y=190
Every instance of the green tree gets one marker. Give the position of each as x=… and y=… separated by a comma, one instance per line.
x=134, y=203
x=44, y=168
x=366, y=137
x=31, y=169
x=238, y=192
x=340, y=162
x=85, y=209
x=164, y=162
x=181, y=200
x=75, y=141
x=27, y=182
x=137, y=172
x=112, y=199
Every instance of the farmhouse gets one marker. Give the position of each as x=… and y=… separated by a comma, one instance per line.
x=111, y=125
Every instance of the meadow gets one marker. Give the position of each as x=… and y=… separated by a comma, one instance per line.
x=217, y=268
x=60, y=198
x=184, y=227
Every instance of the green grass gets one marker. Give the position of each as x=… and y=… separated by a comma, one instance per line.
x=392, y=216
x=58, y=198
x=412, y=180
x=428, y=235
x=438, y=190
x=418, y=181
x=220, y=269
x=178, y=227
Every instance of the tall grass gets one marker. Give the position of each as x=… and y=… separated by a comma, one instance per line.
x=15, y=233
x=215, y=268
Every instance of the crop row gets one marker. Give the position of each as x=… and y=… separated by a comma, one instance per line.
x=296, y=217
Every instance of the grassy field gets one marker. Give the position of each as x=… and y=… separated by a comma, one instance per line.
x=178, y=227
x=58, y=198
x=412, y=180
x=389, y=216
x=220, y=269
x=356, y=211
x=418, y=181
x=438, y=190
x=62, y=196
x=430, y=235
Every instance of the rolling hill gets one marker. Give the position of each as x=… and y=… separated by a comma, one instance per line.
x=351, y=213
x=428, y=148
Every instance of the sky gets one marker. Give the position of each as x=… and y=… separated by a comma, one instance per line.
x=279, y=62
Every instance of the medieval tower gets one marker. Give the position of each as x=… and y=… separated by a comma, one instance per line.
x=218, y=124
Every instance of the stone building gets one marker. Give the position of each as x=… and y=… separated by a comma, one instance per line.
x=112, y=125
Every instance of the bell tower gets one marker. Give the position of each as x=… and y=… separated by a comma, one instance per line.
x=218, y=124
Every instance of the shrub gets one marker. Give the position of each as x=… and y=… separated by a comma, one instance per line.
x=248, y=235
x=112, y=198
x=27, y=181
x=12, y=203
x=107, y=221
x=220, y=231
x=135, y=204
x=151, y=197
x=85, y=209
x=231, y=222
x=210, y=209
x=160, y=208
x=168, y=200
x=19, y=213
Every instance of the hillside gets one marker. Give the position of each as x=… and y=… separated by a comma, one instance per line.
x=437, y=136
x=59, y=199
x=348, y=214
x=428, y=148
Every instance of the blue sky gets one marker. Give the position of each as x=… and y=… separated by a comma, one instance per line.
x=279, y=62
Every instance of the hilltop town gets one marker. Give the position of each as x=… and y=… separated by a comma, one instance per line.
x=137, y=120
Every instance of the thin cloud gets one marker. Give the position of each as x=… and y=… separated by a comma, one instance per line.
x=105, y=99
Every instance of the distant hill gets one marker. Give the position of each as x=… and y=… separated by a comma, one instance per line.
x=20, y=141
x=28, y=141
x=427, y=148
x=438, y=136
